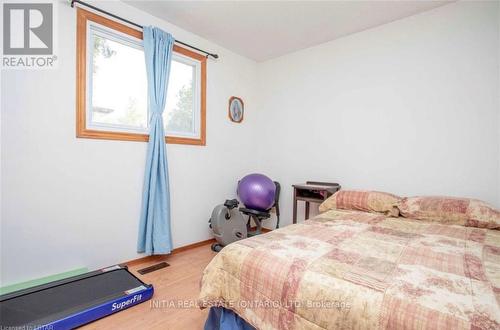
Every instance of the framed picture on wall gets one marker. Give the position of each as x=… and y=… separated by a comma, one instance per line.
x=236, y=109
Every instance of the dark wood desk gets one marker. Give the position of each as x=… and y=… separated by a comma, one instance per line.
x=312, y=192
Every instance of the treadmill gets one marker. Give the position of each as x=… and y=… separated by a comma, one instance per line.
x=74, y=301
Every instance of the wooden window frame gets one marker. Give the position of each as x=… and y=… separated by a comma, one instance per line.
x=83, y=16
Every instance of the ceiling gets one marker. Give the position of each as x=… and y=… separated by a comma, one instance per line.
x=262, y=30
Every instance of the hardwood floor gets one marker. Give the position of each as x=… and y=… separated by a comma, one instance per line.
x=176, y=290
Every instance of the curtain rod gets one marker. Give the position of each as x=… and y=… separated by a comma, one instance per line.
x=137, y=25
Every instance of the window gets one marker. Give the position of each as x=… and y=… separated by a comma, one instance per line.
x=112, y=86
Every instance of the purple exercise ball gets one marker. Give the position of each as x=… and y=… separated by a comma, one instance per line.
x=257, y=191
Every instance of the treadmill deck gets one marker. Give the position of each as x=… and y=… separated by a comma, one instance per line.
x=51, y=303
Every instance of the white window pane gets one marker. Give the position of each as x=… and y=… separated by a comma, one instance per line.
x=179, y=116
x=119, y=86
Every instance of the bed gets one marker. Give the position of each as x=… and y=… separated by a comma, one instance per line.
x=359, y=268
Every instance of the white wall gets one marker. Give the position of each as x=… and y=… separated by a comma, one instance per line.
x=70, y=203
x=498, y=15
x=410, y=107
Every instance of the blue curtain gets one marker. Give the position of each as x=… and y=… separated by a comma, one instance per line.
x=154, y=225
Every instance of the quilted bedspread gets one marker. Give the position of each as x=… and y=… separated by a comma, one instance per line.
x=358, y=270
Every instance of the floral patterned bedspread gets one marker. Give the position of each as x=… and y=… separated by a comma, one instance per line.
x=358, y=270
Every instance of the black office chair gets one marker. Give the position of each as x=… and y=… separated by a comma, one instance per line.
x=258, y=216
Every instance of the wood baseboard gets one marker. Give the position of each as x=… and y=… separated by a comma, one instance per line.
x=192, y=246
x=162, y=257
